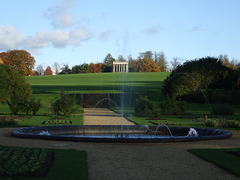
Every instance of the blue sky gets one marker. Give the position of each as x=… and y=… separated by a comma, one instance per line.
x=76, y=31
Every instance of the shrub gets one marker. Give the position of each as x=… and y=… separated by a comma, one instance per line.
x=232, y=124
x=222, y=110
x=144, y=106
x=65, y=105
x=15, y=91
x=210, y=123
x=35, y=105
x=173, y=106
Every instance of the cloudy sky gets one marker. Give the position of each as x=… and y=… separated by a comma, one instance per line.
x=76, y=31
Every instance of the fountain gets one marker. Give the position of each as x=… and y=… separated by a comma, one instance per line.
x=117, y=133
x=121, y=133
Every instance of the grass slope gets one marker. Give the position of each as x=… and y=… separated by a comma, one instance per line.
x=98, y=83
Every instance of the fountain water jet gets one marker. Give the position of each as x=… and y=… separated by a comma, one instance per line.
x=166, y=127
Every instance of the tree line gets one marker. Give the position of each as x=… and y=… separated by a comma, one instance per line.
x=145, y=62
x=148, y=61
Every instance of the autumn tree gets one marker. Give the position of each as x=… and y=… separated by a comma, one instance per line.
x=22, y=61
x=233, y=64
x=95, y=68
x=1, y=61
x=92, y=67
x=99, y=67
x=5, y=58
x=147, y=65
x=35, y=73
x=48, y=71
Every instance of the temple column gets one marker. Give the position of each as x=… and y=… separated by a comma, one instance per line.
x=113, y=67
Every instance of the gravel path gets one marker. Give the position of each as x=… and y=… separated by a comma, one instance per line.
x=117, y=161
x=103, y=116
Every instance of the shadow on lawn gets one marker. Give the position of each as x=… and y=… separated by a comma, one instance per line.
x=117, y=86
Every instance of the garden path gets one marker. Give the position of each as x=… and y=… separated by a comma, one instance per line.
x=103, y=116
x=138, y=161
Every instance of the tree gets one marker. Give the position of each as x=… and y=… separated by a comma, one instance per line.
x=108, y=63
x=95, y=68
x=4, y=77
x=99, y=67
x=196, y=75
x=161, y=62
x=1, y=61
x=82, y=68
x=22, y=61
x=56, y=68
x=65, y=69
x=92, y=67
x=146, y=55
x=48, y=71
x=5, y=58
x=35, y=73
x=175, y=63
x=147, y=65
x=224, y=59
x=14, y=88
x=64, y=105
x=132, y=64
x=40, y=70
x=121, y=58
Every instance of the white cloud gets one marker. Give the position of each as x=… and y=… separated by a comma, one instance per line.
x=11, y=39
x=153, y=30
x=82, y=34
x=59, y=15
x=105, y=35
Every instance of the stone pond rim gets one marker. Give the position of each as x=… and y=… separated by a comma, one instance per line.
x=68, y=133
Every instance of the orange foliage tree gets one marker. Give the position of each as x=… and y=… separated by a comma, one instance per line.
x=147, y=65
x=22, y=61
x=96, y=68
x=5, y=58
x=48, y=71
x=92, y=67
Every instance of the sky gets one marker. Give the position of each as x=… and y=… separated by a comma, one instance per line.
x=83, y=31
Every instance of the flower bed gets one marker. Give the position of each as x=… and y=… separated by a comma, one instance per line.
x=25, y=162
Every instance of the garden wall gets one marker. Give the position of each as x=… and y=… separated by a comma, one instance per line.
x=106, y=100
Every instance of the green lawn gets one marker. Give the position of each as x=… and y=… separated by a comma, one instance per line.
x=126, y=86
x=123, y=88
x=99, y=83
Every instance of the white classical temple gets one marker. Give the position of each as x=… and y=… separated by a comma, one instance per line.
x=120, y=66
